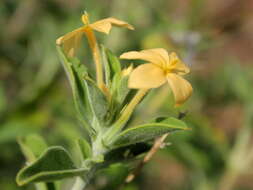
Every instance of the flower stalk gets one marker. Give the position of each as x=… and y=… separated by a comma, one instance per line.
x=130, y=107
x=126, y=113
x=96, y=57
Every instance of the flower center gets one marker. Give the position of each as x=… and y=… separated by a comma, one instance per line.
x=167, y=71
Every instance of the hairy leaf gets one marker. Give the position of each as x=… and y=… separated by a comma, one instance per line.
x=149, y=131
x=90, y=102
x=54, y=164
x=114, y=64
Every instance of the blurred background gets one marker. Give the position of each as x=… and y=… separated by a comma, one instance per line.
x=213, y=37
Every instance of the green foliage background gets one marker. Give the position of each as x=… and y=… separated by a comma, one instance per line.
x=213, y=37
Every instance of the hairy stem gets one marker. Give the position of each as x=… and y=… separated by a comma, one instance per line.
x=82, y=181
x=79, y=184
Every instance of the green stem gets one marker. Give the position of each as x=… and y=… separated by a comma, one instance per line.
x=79, y=184
x=40, y=186
x=82, y=181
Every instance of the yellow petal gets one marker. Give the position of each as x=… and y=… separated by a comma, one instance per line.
x=180, y=87
x=105, y=25
x=146, y=76
x=69, y=35
x=157, y=56
x=71, y=41
x=177, y=65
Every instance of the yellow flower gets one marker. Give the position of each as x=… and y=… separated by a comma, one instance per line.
x=162, y=67
x=71, y=40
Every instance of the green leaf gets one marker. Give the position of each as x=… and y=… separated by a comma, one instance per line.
x=120, y=91
x=114, y=64
x=32, y=146
x=117, y=82
x=80, y=101
x=149, y=131
x=106, y=66
x=123, y=90
x=90, y=102
x=119, y=87
x=54, y=164
x=85, y=148
x=96, y=103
